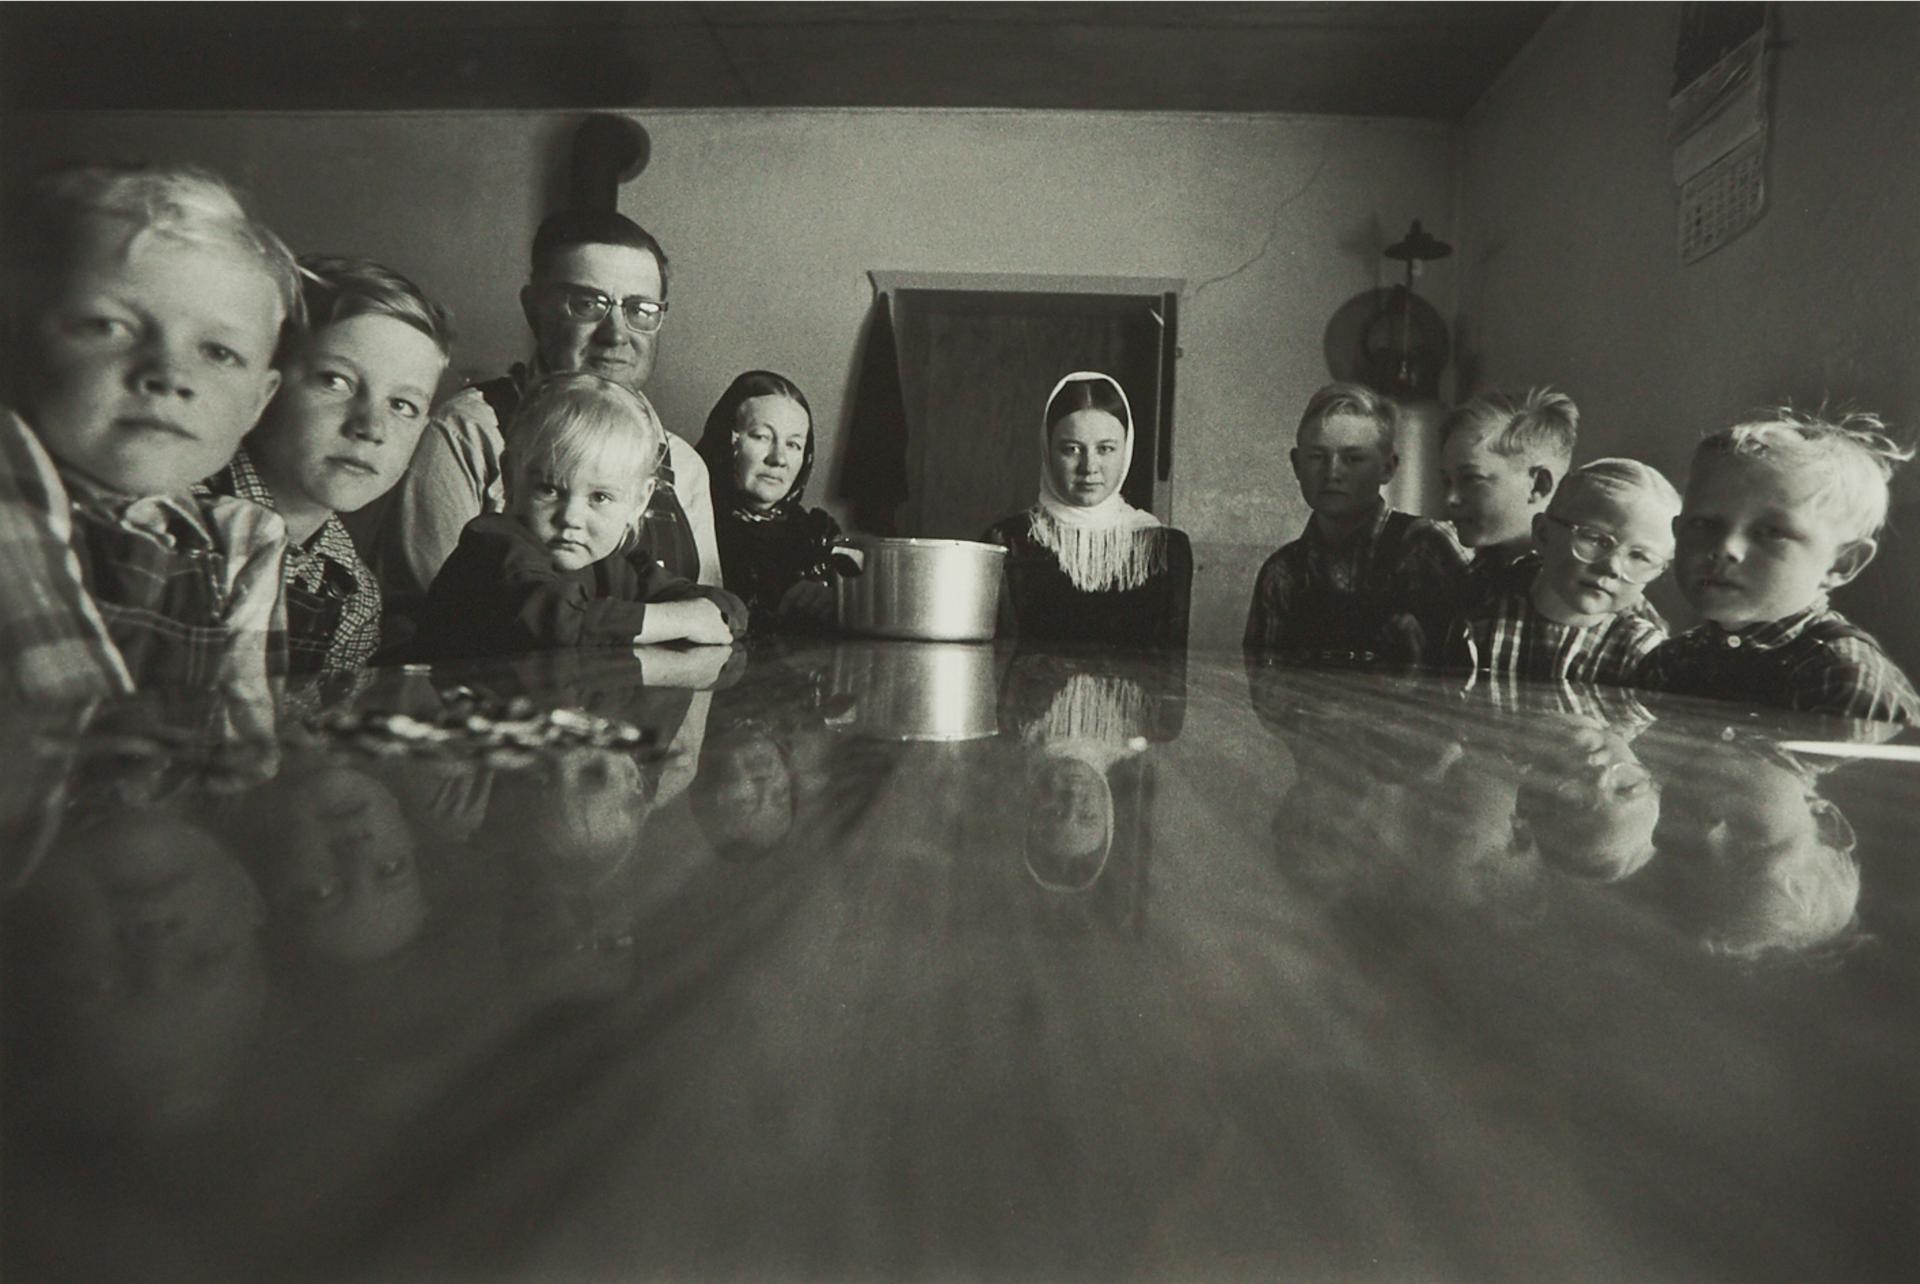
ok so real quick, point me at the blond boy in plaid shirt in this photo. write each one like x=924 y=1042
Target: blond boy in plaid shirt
x=144 y=316
x=1781 y=510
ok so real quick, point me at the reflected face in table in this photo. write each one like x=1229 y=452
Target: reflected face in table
x=1070 y=821
x=152 y=981
x=1752 y=859
x=572 y=814
x=1592 y=805
x=343 y=875
x=743 y=795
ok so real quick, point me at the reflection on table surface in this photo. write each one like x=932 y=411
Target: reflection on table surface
x=892 y=960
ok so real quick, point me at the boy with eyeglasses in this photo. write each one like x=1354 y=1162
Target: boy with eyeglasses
x=1606 y=535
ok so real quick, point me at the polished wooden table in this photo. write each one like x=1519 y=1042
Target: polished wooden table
x=870 y=960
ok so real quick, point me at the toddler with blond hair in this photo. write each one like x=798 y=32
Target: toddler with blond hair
x=563 y=566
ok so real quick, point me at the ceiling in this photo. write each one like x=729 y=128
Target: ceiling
x=1422 y=60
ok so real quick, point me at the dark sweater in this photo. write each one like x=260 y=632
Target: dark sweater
x=499 y=593
x=1044 y=606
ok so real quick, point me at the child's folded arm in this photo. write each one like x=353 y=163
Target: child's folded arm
x=684 y=623
x=550 y=608
x=503 y=574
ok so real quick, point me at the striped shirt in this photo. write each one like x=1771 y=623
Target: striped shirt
x=333 y=599
x=1509 y=638
x=1814 y=662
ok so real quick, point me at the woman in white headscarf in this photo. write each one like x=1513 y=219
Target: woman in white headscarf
x=1084 y=565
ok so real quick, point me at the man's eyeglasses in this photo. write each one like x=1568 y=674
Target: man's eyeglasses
x=582 y=303
x=1635 y=564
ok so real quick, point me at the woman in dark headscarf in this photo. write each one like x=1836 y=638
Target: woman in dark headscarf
x=774 y=552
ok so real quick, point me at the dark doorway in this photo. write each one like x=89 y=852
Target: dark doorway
x=975 y=370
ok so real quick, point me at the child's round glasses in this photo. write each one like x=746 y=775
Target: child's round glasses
x=1636 y=565
x=582 y=303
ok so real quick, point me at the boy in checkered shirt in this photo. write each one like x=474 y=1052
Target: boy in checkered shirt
x=339 y=435
x=1605 y=535
x=144 y=313
x=1779 y=511
x=1361 y=576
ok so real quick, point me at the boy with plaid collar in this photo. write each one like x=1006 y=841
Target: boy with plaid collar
x=144 y=314
x=1605 y=535
x=1780 y=511
x=1361 y=571
x=338 y=435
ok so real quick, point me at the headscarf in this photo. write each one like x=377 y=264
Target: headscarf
x=1099 y=547
x=716 y=445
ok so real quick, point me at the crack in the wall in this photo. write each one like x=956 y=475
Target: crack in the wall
x=1273 y=231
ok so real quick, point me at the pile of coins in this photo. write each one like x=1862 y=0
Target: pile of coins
x=470 y=724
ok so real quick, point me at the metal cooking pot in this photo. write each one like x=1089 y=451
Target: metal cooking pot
x=916 y=690
x=932 y=590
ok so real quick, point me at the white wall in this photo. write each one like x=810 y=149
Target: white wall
x=773 y=219
x=1570 y=272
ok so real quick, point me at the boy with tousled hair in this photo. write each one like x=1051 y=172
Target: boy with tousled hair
x=145 y=311
x=338 y=435
x=1501 y=457
x=1360 y=571
x=1779 y=511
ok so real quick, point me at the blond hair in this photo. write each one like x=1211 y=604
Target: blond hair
x=574 y=420
x=1618 y=478
x=1350 y=399
x=181 y=202
x=1853 y=455
x=1539 y=427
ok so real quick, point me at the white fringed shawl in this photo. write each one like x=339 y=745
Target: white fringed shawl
x=1110 y=546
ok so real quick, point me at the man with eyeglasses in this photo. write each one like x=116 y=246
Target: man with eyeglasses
x=1606 y=534
x=595 y=301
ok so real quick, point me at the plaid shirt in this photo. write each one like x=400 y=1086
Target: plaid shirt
x=1813 y=662
x=1509 y=638
x=53 y=640
x=103 y=594
x=1495 y=572
x=332 y=598
x=1317 y=595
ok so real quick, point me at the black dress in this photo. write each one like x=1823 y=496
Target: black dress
x=763 y=557
x=1041 y=604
